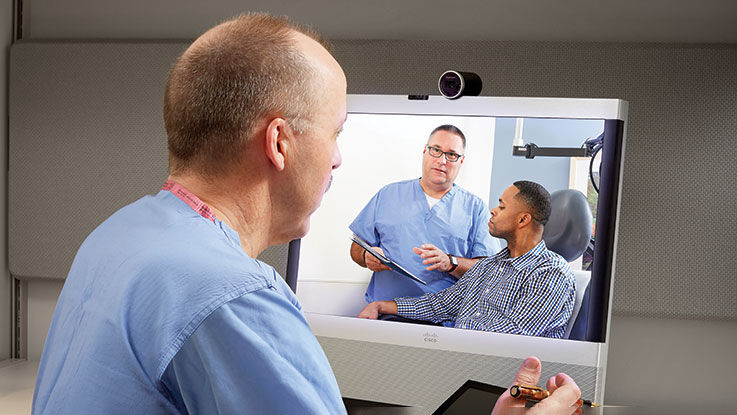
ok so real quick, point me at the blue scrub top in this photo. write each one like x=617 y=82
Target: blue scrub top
x=164 y=313
x=398 y=218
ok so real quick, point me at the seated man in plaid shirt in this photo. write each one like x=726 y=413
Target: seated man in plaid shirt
x=524 y=289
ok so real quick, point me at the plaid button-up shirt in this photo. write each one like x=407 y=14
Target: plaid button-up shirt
x=532 y=294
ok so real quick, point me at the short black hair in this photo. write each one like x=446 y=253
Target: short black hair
x=451 y=129
x=536 y=198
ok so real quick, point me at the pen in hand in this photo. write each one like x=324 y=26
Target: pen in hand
x=537 y=394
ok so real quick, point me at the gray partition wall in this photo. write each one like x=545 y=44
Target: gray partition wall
x=86 y=138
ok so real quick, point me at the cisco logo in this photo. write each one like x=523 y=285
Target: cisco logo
x=430 y=337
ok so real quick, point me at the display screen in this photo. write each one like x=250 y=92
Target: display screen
x=378 y=149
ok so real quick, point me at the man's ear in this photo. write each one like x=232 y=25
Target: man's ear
x=524 y=219
x=276 y=142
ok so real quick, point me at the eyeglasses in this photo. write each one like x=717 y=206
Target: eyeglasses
x=449 y=155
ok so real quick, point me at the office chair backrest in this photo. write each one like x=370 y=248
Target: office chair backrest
x=568 y=233
x=568 y=230
x=580 y=308
x=576 y=328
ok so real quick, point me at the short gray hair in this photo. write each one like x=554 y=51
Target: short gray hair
x=217 y=91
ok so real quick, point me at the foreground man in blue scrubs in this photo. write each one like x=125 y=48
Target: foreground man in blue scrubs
x=165 y=310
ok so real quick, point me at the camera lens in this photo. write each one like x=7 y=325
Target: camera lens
x=453 y=84
x=450 y=84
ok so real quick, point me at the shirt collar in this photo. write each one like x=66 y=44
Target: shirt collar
x=524 y=260
x=452 y=190
x=230 y=233
x=418 y=186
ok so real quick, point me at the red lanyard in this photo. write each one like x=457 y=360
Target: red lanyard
x=190 y=199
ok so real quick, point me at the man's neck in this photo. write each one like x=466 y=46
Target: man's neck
x=434 y=191
x=242 y=213
x=522 y=243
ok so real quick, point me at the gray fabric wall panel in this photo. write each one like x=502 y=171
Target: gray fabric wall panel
x=86 y=138
x=83 y=116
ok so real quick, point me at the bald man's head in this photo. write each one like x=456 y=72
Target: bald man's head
x=231 y=77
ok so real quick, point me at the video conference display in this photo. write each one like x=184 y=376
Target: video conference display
x=379 y=149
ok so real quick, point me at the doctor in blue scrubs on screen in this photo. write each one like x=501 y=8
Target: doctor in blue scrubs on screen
x=430 y=226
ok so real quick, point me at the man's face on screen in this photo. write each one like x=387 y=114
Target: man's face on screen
x=506 y=216
x=438 y=171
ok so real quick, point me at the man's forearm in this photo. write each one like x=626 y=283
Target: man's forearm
x=358 y=254
x=428 y=307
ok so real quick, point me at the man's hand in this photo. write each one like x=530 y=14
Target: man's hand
x=373 y=309
x=562 y=400
x=373 y=263
x=433 y=257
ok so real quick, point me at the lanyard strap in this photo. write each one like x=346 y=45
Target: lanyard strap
x=190 y=199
